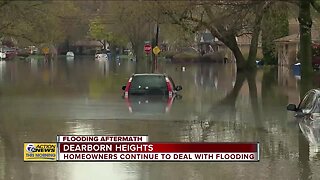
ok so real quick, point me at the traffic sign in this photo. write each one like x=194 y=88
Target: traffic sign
x=156 y=50
x=147 y=48
x=45 y=50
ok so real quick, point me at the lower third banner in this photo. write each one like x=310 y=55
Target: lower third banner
x=245 y=157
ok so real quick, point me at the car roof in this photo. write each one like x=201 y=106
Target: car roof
x=315 y=90
x=149 y=74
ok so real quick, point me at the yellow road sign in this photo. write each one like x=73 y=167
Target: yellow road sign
x=45 y=50
x=156 y=50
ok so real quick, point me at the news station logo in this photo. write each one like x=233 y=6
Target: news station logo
x=40 y=151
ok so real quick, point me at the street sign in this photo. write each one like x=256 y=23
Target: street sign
x=147 y=48
x=45 y=50
x=156 y=50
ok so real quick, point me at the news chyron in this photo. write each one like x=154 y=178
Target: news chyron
x=99 y=148
x=40 y=151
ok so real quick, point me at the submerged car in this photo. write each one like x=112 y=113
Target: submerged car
x=311 y=131
x=150 y=84
x=150 y=93
x=309 y=107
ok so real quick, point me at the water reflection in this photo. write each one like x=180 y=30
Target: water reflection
x=151 y=105
x=311 y=131
x=103 y=67
x=70 y=58
x=2 y=69
x=2 y=159
x=34 y=65
x=218 y=104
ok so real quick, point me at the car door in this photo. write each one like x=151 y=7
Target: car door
x=307 y=103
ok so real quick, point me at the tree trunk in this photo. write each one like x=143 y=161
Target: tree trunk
x=251 y=61
x=138 y=50
x=113 y=50
x=240 y=61
x=305 y=38
x=274 y=25
x=233 y=45
x=306 y=81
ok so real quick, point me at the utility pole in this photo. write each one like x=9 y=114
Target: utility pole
x=155 y=56
x=157 y=42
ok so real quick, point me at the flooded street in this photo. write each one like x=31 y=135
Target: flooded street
x=39 y=100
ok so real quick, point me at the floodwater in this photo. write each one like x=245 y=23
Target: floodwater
x=39 y=100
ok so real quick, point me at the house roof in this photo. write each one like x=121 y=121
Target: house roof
x=290 y=38
x=295 y=38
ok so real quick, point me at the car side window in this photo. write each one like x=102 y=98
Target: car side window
x=307 y=103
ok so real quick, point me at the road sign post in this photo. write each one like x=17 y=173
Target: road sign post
x=156 y=50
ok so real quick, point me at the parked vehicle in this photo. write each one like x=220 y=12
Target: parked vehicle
x=23 y=52
x=2 y=55
x=33 y=50
x=70 y=54
x=101 y=55
x=150 y=84
x=10 y=53
x=309 y=107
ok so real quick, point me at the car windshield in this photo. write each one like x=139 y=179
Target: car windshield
x=151 y=84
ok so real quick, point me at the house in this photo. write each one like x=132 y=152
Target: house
x=207 y=43
x=288 y=47
x=81 y=47
x=86 y=46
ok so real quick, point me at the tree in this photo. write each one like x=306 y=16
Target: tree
x=305 y=23
x=98 y=31
x=34 y=22
x=225 y=20
x=275 y=25
x=132 y=21
x=176 y=36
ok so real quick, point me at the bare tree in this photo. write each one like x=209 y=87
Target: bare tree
x=226 y=20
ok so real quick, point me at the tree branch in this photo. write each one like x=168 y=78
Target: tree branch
x=4 y=2
x=316 y=5
x=5 y=26
x=23 y=36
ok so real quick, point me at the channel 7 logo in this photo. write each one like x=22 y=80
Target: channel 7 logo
x=30 y=148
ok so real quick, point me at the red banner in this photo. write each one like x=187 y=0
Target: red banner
x=158 y=147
